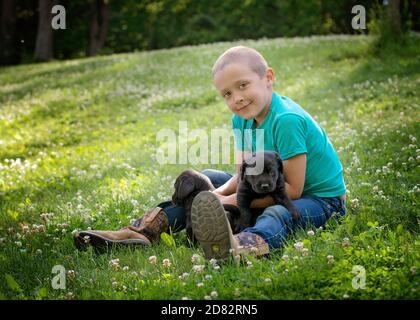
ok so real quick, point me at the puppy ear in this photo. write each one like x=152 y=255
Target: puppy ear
x=280 y=163
x=186 y=186
x=243 y=169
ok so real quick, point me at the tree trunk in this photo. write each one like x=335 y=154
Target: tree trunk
x=395 y=18
x=8 y=52
x=98 y=26
x=44 y=37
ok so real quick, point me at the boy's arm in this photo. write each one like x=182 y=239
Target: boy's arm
x=230 y=186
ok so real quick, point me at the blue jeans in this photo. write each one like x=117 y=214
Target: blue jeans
x=275 y=223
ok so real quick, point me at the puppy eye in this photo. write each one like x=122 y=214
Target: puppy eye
x=272 y=173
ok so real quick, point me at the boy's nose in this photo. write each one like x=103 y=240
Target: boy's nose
x=239 y=99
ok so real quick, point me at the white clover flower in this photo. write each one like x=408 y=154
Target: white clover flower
x=346 y=242
x=115 y=264
x=114 y=284
x=305 y=252
x=311 y=233
x=298 y=246
x=237 y=292
x=18 y=244
x=330 y=259
x=198 y=268
x=208 y=276
x=195 y=258
x=413 y=270
x=185 y=298
x=184 y=276
x=38 y=252
x=71 y=274
x=354 y=203
x=213 y=261
x=166 y=263
x=285 y=258
x=214 y=294
x=126 y=268
x=268 y=280
x=153 y=259
x=207 y=297
x=200 y=284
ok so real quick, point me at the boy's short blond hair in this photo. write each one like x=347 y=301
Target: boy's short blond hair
x=241 y=54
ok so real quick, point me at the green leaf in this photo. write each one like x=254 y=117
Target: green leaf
x=13 y=214
x=11 y=282
x=42 y=293
x=167 y=239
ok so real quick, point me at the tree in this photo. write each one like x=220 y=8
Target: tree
x=44 y=37
x=395 y=18
x=98 y=26
x=8 y=54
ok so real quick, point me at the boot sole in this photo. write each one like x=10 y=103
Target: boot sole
x=211 y=226
x=102 y=244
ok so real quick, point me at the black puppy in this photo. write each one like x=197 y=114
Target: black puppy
x=269 y=182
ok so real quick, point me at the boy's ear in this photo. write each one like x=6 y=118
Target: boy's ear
x=243 y=169
x=270 y=76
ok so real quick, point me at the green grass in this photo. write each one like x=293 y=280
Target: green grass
x=78 y=141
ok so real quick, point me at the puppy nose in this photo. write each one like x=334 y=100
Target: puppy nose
x=264 y=185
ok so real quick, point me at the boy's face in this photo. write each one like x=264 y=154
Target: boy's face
x=245 y=92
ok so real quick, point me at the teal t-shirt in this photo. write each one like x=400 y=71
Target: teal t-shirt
x=290 y=130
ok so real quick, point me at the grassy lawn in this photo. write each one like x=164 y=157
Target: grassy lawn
x=78 y=149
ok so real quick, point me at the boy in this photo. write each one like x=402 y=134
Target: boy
x=312 y=170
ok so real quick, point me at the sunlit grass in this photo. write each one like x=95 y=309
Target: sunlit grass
x=78 y=149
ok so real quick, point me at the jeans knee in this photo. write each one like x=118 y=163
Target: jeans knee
x=208 y=172
x=279 y=213
x=216 y=177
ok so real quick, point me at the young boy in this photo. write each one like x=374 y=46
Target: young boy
x=312 y=170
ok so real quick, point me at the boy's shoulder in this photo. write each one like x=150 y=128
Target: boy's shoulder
x=281 y=108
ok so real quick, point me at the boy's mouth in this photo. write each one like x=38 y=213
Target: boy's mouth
x=244 y=107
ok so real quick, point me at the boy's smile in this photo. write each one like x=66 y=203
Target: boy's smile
x=246 y=93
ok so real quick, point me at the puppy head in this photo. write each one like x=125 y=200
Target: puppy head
x=189 y=183
x=266 y=181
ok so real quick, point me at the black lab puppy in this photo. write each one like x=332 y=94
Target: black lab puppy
x=269 y=182
x=188 y=184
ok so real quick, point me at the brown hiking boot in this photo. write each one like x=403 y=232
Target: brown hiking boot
x=145 y=231
x=212 y=229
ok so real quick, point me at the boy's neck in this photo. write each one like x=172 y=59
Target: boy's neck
x=260 y=118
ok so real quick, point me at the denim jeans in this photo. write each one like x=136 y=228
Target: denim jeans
x=275 y=223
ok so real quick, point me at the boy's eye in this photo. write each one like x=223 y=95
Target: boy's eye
x=242 y=85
